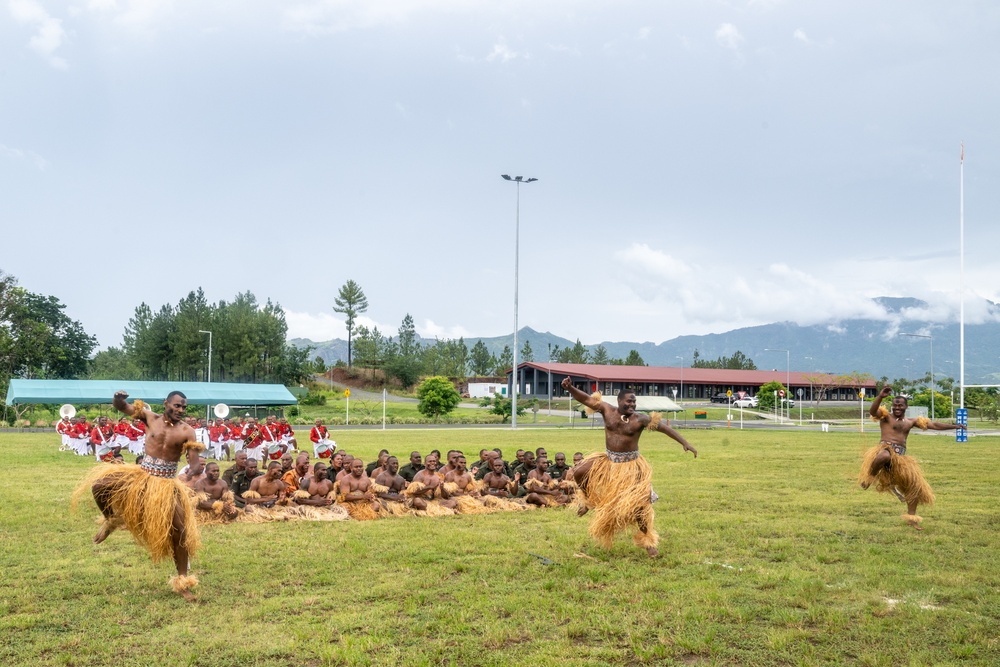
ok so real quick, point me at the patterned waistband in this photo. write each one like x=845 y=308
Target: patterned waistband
x=159 y=467
x=622 y=457
x=899 y=449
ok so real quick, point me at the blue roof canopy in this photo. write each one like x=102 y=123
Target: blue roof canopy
x=102 y=391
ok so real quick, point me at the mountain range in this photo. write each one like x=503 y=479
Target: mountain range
x=863 y=345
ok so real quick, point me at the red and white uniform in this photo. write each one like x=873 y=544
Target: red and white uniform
x=320 y=435
x=102 y=437
x=79 y=435
x=285 y=434
x=234 y=436
x=121 y=434
x=215 y=436
x=136 y=437
x=255 y=448
x=63 y=429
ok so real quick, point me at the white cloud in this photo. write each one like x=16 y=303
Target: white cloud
x=430 y=329
x=643 y=32
x=502 y=52
x=19 y=154
x=728 y=37
x=49 y=33
x=562 y=48
x=800 y=35
x=334 y=16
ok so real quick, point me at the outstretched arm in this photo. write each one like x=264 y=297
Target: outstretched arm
x=940 y=426
x=666 y=430
x=595 y=404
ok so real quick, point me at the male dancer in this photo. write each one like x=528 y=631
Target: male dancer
x=148 y=499
x=617 y=483
x=887 y=464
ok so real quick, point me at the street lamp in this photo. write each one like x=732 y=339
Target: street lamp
x=517 y=230
x=682 y=374
x=209 y=364
x=931 y=339
x=788 y=374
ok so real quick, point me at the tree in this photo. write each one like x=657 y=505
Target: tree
x=371 y=347
x=350 y=301
x=438 y=396
x=633 y=359
x=765 y=395
x=527 y=354
x=600 y=356
x=481 y=362
x=504 y=362
x=738 y=361
x=502 y=406
x=575 y=355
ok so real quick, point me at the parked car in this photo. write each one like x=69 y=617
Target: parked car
x=790 y=401
x=747 y=402
x=720 y=398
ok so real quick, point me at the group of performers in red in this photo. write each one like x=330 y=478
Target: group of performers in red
x=102 y=439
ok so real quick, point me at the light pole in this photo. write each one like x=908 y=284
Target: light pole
x=517 y=231
x=931 y=339
x=788 y=375
x=209 y=364
x=682 y=375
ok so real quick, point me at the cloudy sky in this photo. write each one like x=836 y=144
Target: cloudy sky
x=702 y=165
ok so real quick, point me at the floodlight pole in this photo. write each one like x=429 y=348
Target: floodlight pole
x=517 y=231
x=931 y=339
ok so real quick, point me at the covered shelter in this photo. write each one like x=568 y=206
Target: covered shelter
x=102 y=392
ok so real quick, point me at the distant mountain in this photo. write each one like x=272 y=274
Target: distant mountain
x=871 y=346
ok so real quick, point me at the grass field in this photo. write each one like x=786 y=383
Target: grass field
x=770 y=555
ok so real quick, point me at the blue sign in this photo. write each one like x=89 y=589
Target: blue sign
x=962 y=417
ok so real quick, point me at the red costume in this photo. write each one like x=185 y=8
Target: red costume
x=318 y=433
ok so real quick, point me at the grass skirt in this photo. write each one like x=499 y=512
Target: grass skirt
x=146 y=505
x=618 y=494
x=903 y=472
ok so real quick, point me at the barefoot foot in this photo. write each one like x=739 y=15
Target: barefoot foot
x=582 y=510
x=865 y=485
x=106 y=529
x=653 y=552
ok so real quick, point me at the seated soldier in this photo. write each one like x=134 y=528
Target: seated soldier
x=558 y=471
x=293 y=478
x=356 y=494
x=243 y=479
x=214 y=495
x=195 y=471
x=498 y=488
x=316 y=489
x=286 y=462
x=542 y=490
x=388 y=487
x=524 y=469
x=239 y=465
x=267 y=490
x=409 y=471
x=425 y=486
x=483 y=461
x=460 y=486
x=379 y=462
x=491 y=456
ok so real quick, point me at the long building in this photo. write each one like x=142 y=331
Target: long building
x=536 y=378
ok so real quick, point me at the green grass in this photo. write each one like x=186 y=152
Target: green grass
x=771 y=555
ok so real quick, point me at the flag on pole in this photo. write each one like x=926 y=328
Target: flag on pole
x=961 y=158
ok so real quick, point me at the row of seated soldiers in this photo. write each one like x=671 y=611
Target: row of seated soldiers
x=383 y=488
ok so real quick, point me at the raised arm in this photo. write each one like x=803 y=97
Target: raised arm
x=873 y=410
x=130 y=409
x=595 y=404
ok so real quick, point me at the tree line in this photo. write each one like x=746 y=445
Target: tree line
x=248 y=344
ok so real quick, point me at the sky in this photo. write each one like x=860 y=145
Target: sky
x=702 y=166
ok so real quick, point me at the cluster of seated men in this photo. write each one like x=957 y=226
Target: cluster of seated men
x=341 y=486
